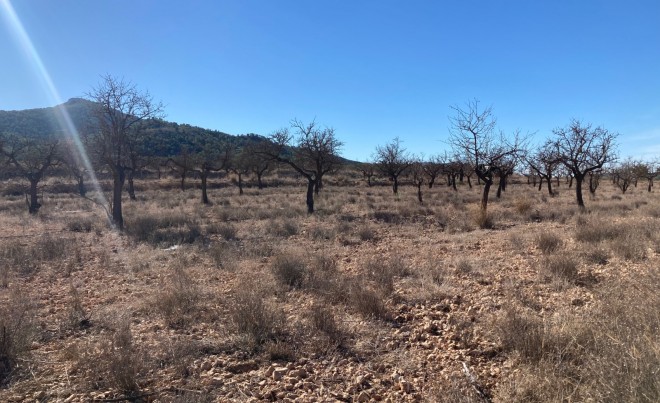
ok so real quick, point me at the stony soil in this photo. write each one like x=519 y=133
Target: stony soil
x=438 y=340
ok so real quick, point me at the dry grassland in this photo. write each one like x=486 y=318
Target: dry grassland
x=372 y=298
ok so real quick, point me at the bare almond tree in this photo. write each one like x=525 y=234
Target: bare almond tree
x=418 y=176
x=472 y=136
x=120 y=109
x=392 y=160
x=312 y=152
x=433 y=168
x=583 y=149
x=31 y=158
x=544 y=163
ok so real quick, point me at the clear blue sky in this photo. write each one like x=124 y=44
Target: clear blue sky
x=373 y=70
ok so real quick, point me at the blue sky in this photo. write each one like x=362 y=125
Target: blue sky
x=373 y=70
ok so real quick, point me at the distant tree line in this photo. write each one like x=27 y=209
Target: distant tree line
x=123 y=133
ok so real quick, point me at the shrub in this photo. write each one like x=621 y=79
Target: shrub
x=383 y=272
x=320 y=233
x=389 y=217
x=163 y=230
x=593 y=231
x=225 y=255
x=366 y=233
x=282 y=228
x=548 y=242
x=464 y=266
x=178 y=299
x=226 y=231
x=482 y=219
x=80 y=224
x=323 y=320
x=290 y=269
x=16 y=332
x=523 y=205
x=256 y=321
x=562 y=266
x=597 y=256
x=368 y=302
x=119 y=361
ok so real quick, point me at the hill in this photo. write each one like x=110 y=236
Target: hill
x=42 y=122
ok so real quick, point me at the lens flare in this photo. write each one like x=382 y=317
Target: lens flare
x=62 y=115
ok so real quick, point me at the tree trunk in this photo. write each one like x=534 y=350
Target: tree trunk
x=419 y=193
x=240 y=183
x=131 y=188
x=578 y=189
x=469 y=182
x=318 y=184
x=540 y=183
x=183 y=181
x=501 y=185
x=550 y=186
x=453 y=182
x=395 y=186
x=311 y=184
x=431 y=182
x=593 y=184
x=82 y=191
x=260 y=183
x=557 y=180
x=650 y=185
x=484 y=196
x=570 y=182
x=33 y=206
x=118 y=178
x=205 y=198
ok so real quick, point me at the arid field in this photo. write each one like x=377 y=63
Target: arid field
x=374 y=297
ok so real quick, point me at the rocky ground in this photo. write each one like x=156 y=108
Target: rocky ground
x=372 y=298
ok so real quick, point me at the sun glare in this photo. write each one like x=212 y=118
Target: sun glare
x=63 y=118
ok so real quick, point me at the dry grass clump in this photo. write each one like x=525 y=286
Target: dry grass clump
x=610 y=354
x=596 y=230
x=523 y=205
x=383 y=271
x=225 y=255
x=16 y=332
x=80 y=224
x=548 y=242
x=164 y=229
x=324 y=321
x=227 y=231
x=290 y=269
x=321 y=233
x=256 y=319
x=482 y=219
x=629 y=240
x=115 y=361
x=26 y=258
x=597 y=256
x=388 y=217
x=561 y=266
x=366 y=233
x=464 y=266
x=283 y=228
x=368 y=302
x=178 y=299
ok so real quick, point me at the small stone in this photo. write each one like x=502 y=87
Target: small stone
x=242 y=367
x=298 y=373
x=278 y=373
x=363 y=397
